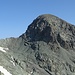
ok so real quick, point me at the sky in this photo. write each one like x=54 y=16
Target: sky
x=16 y=15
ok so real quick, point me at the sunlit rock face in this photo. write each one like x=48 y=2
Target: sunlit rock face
x=46 y=48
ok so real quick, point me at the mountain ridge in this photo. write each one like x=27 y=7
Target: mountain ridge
x=46 y=48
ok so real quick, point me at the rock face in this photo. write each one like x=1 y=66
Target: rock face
x=46 y=48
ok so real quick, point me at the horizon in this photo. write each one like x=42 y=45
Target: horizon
x=15 y=16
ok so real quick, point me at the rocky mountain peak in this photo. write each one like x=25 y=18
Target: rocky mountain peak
x=42 y=26
x=51 y=29
x=46 y=48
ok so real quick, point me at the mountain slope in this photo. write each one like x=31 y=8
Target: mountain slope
x=46 y=48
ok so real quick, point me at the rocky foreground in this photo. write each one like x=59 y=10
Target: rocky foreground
x=46 y=48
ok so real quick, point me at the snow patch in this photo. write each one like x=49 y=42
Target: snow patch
x=3 y=49
x=12 y=62
x=4 y=71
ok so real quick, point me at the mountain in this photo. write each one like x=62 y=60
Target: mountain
x=46 y=48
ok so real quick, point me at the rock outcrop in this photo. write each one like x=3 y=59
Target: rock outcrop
x=46 y=48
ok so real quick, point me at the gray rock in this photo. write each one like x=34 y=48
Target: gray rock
x=46 y=48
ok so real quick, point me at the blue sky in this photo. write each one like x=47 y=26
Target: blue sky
x=16 y=15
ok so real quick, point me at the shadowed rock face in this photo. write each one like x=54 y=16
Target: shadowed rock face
x=46 y=48
x=49 y=28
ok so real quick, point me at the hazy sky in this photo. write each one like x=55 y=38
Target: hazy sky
x=16 y=15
